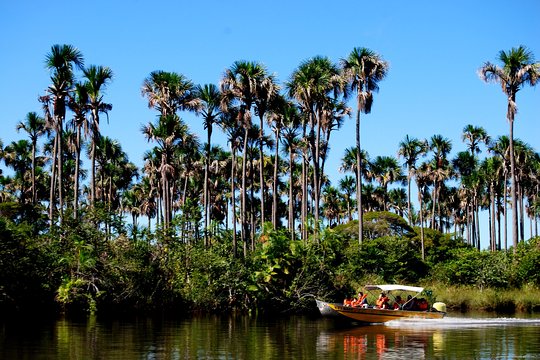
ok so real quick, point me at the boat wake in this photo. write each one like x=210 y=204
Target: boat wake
x=458 y=322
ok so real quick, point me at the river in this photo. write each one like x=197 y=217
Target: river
x=243 y=337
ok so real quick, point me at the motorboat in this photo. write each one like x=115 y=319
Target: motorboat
x=404 y=302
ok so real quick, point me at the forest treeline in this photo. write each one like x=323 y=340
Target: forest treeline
x=259 y=223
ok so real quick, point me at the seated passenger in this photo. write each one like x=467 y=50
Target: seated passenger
x=422 y=304
x=348 y=301
x=361 y=301
x=398 y=304
x=410 y=304
x=382 y=301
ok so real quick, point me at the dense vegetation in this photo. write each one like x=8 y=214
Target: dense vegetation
x=259 y=226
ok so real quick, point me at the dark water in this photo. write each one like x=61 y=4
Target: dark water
x=242 y=337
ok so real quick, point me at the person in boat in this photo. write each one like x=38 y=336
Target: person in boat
x=398 y=304
x=410 y=304
x=348 y=301
x=382 y=302
x=422 y=304
x=361 y=301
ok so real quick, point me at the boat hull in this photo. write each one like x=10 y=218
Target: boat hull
x=372 y=315
x=326 y=310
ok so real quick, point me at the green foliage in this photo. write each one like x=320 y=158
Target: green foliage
x=468 y=266
x=389 y=259
x=27 y=271
x=377 y=224
x=527 y=262
x=94 y=266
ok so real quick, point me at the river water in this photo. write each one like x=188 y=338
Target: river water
x=243 y=337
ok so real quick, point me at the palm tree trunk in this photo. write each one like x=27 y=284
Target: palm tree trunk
x=275 y=182
x=359 y=180
x=521 y=212
x=205 y=186
x=492 y=200
x=303 y=223
x=433 y=204
x=261 y=168
x=409 y=215
x=34 y=172
x=291 y=199
x=77 y=171
x=60 y=175
x=505 y=213
x=421 y=222
x=243 y=195
x=252 y=205
x=233 y=200
x=53 y=182
x=477 y=224
x=513 y=189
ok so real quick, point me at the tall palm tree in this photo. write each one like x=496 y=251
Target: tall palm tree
x=97 y=78
x=168 y=93
x=313 y=84
x=166 y=133
x=518 y=69
x=79 y=106
x=266 y=91
x=411 y=149
x=348 y=186
x=282 y=112
x=17 y=155
x=385 y=170
x=292 y=144
x=60 y=62
x=473 y=136
x=363 y=69
x=440 y=171
x=229 y=124
x=210 y=98
x=34 y=126
x=239 y=88
x=501 y=149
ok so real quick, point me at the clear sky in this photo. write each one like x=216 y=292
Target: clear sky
x=434 y=49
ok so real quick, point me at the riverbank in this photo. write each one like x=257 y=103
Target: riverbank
x=464 y=299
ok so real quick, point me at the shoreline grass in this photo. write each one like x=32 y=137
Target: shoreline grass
x=463 y=298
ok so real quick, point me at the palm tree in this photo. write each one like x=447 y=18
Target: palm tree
x=292 y=145
x=60 y=62
x=17 y=156
x=239 y=87
x=518 y=69
x=229 y=124
x=411 y=149
x=440 y=171
x=34 y=126
x=210 y=98
x=168 y=92
x=348 y=186
x=166 y=133
x=363 y=69
x=491 y=170
x=79 y=105
x=266 y=92
x=314 y=84
x=385 y=170
x=281 y=114
x=501 y=149
x=465 y=165
x=97 y=77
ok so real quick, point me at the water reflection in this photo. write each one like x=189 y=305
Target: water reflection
x=242 y=337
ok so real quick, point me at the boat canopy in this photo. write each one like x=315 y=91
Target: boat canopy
x=394 y=288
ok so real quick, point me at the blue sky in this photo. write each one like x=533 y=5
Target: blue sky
x=434 y=49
